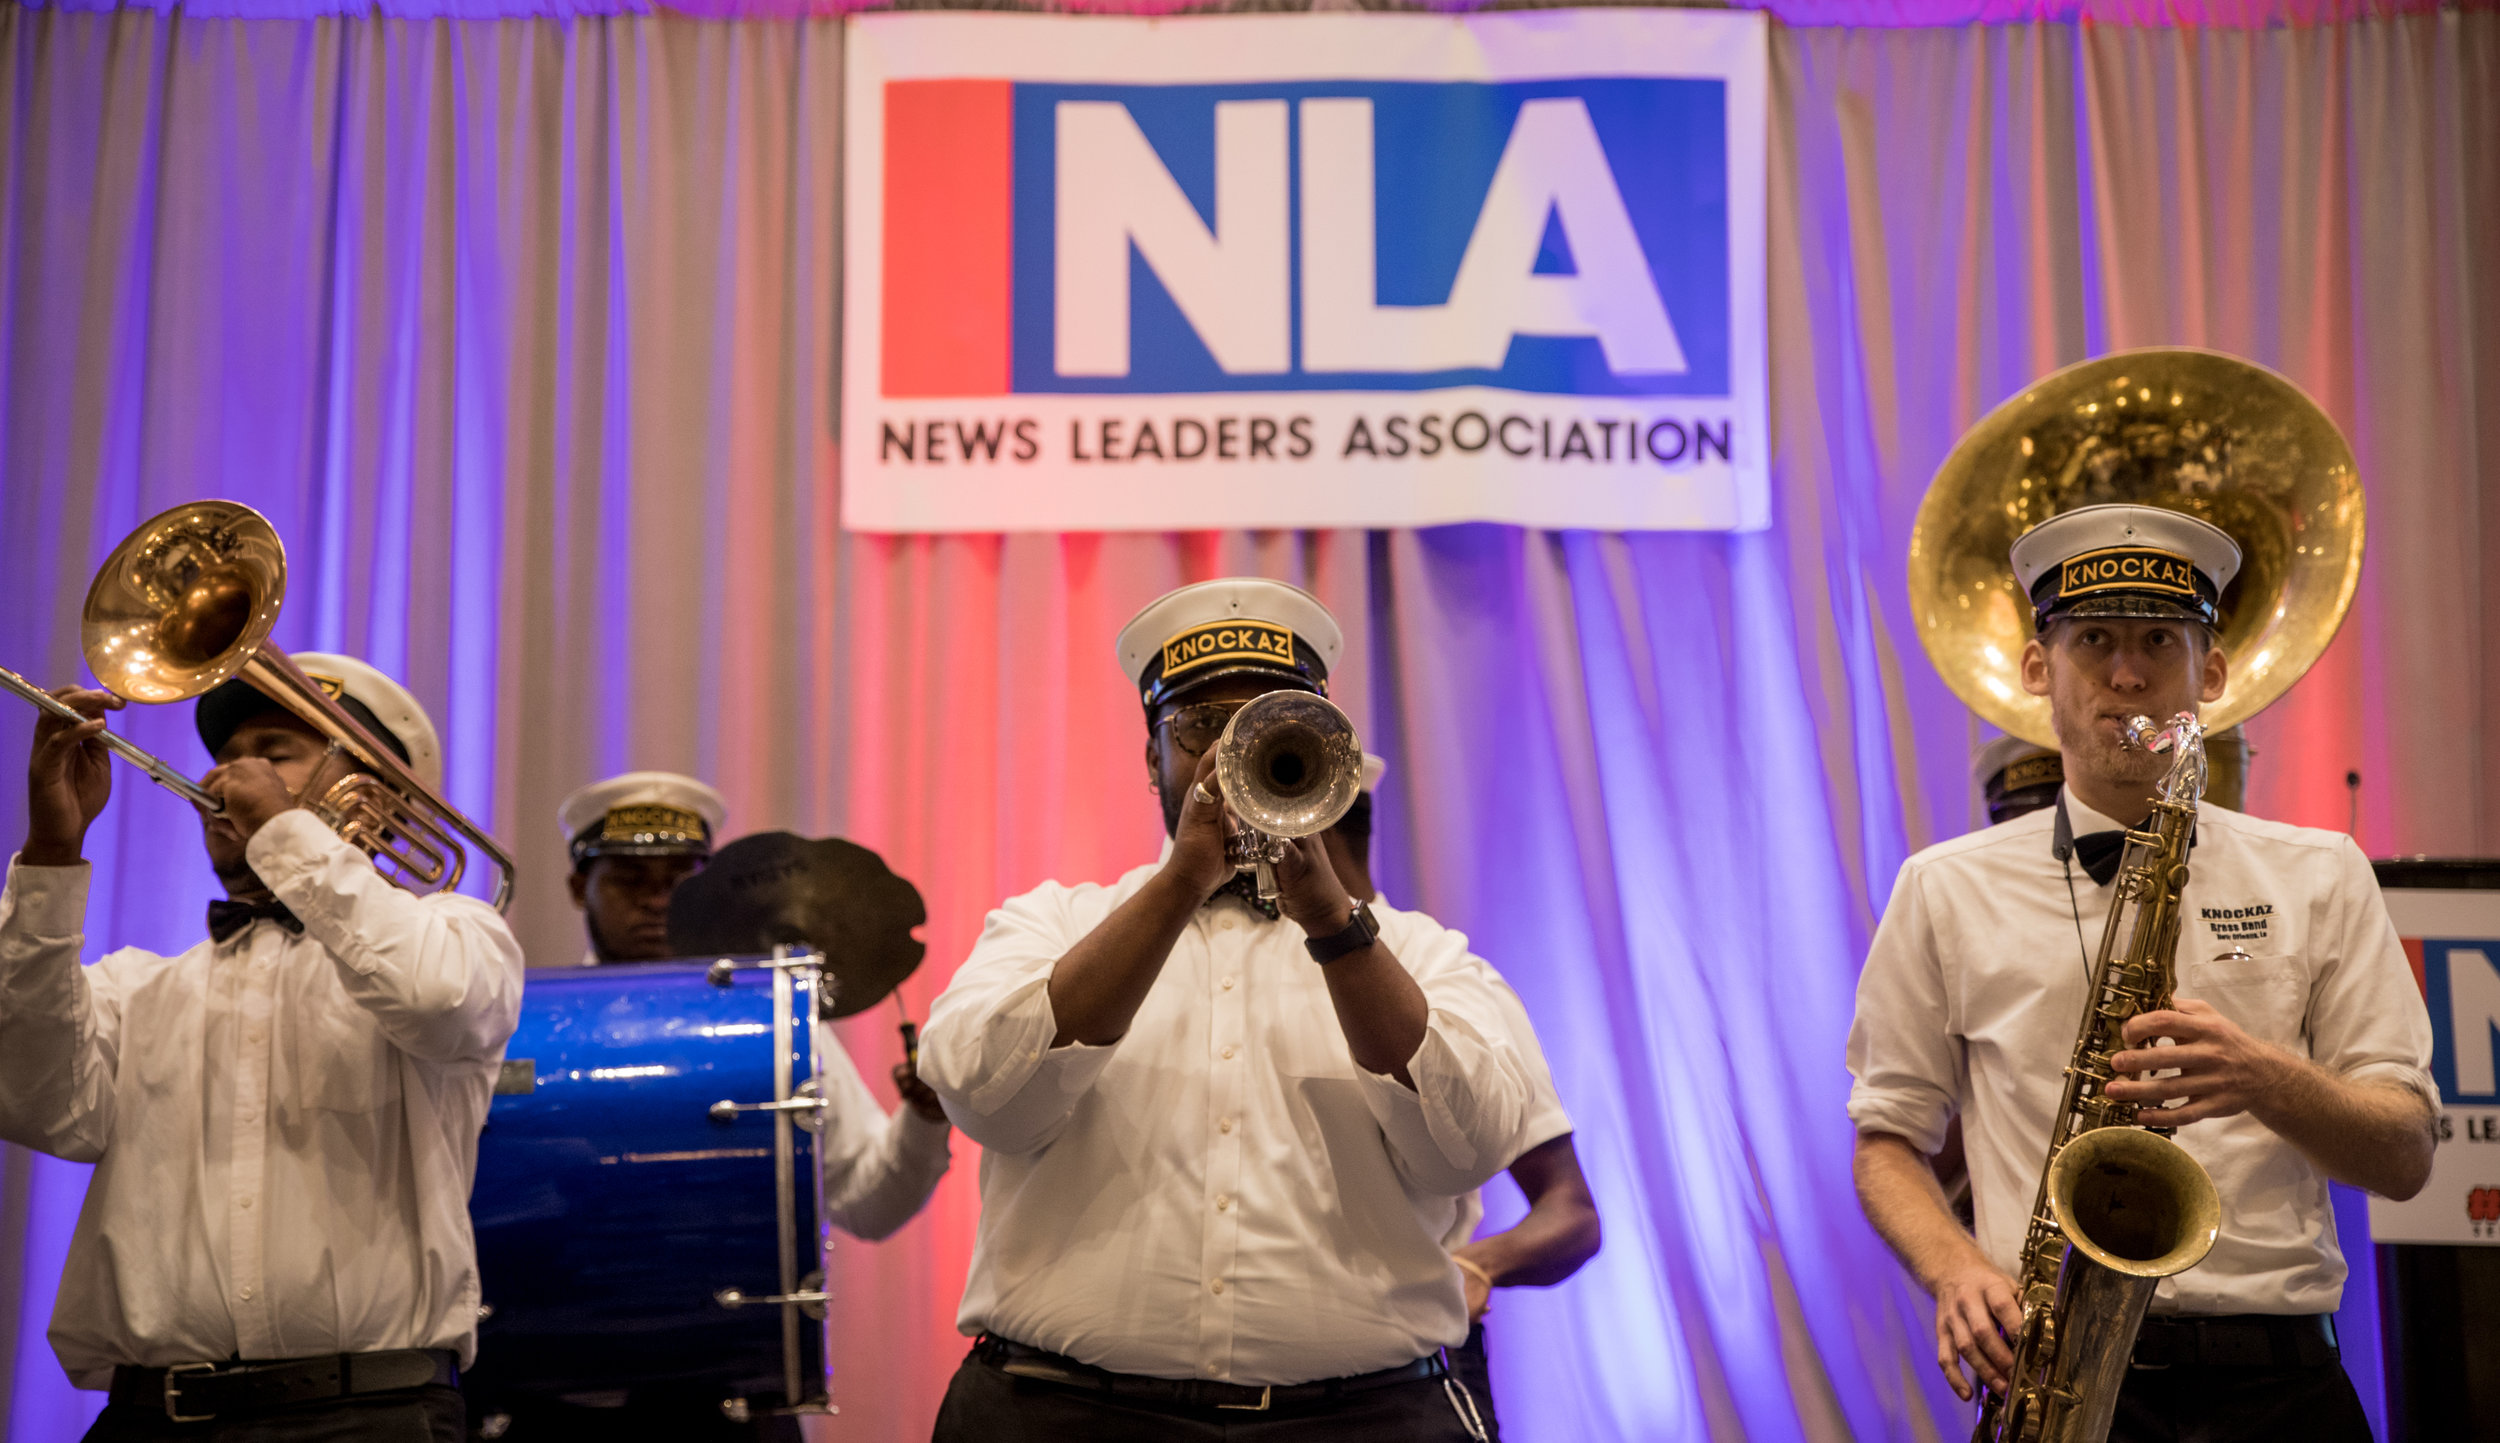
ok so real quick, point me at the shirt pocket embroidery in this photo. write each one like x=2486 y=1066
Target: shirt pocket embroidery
x=2267 y=996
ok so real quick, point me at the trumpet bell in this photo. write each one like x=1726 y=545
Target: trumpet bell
x=184 y=602
x=2219 y=438
x=1289 y=764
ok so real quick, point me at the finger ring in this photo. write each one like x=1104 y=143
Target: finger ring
x=1199 y=791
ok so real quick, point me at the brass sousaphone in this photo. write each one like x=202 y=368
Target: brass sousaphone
x=2222 y=439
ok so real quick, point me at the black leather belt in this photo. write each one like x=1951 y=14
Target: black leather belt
x=196 y=1392
x=1020 y=1361
x=2240 y=1340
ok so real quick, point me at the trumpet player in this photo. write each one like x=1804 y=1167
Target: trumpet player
x=283 y=1118
x=2296 y=1050
x=1224 y=1139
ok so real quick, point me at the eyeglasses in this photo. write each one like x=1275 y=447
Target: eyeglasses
x=1195 y=728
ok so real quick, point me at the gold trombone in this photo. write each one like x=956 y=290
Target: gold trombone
x=184 y=604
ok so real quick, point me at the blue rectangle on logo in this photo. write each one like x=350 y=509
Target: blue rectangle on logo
x=1436 y=150
x=2461 y=986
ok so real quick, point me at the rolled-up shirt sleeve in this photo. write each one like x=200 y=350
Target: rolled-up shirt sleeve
x=440 y=974
x=1454 y=1130
x=879 y=1167
x=59 y=1028
x=1903 y=1058
x=2367 y=1021
x=986 y=1051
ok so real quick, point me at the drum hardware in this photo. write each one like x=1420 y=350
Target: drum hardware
x=811 y=1291
x=184 y=604
x=1289 y=766
x=806 y=1102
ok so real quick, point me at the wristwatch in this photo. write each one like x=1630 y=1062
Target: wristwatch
x=1360 y=931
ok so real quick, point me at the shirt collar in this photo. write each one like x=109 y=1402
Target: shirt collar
x=2082 y=818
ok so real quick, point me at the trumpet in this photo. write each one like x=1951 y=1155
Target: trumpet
x=185 y=603
x=1290 y=766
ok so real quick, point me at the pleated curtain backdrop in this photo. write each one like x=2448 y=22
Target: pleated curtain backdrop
x=522 y=331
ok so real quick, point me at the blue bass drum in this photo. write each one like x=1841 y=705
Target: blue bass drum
x=647 y=1200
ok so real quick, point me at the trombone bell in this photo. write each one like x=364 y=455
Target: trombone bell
x=186 y=603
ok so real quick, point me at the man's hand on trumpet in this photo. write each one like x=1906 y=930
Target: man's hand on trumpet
x=69 y=778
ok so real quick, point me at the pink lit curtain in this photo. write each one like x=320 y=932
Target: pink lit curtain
x=522 y=330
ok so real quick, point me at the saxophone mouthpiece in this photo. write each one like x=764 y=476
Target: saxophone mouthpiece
x=2141 y=735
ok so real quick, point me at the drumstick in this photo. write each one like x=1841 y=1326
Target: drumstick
x=911 y=1033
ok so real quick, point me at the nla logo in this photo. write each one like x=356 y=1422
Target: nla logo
x=1557 y=236
x=1301 y=270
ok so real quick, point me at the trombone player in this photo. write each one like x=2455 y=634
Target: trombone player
x=1224 y=1135
x=283 y=1118
x=2297 y=1046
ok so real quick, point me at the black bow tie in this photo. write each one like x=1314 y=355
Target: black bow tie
x=2099 y=853
x=1245 y=885
x=227 y=918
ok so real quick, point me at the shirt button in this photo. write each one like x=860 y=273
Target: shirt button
x=247 y=1294
x=1227 y=1054
x=1225 y=1126
x=1216 y=1287
x=252 y=1037
x=1212 y=1370
x=243 y=1202
x=1223 y=1202
x=1228 y=984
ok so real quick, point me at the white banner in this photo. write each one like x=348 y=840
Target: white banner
x=1304 y=270
x=2453 y=941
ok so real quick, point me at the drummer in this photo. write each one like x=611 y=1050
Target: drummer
x=634 y=838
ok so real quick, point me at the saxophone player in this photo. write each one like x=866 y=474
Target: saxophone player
x=2298 y=1046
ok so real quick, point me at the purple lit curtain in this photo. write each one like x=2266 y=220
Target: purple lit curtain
x=522 y=332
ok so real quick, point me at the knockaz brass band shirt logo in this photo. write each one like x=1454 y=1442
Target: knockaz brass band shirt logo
x=1227 y=641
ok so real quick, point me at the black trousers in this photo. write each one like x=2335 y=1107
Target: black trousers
x=1469 y=1365
x=431 y=1414
x=2203 y=1404
x=985 y=1405
x=662 y=1418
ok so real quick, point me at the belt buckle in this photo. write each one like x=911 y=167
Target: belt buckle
x=173 y=1392
x=1267 y=1399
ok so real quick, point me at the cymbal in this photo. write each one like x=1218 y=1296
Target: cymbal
x=777 y=888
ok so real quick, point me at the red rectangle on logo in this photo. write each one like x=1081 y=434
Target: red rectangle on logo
x=949 y=203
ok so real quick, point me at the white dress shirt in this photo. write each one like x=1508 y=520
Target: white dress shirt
x=284 y=1126
x=1974 y=991
x=1546 y=1119
x=1221 y=1193
x=879 y=1169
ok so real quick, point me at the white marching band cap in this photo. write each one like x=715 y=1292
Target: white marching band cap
x=1186 y=638
x=381 y=704
x=642 y=814
x=2131 y=561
